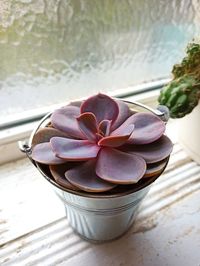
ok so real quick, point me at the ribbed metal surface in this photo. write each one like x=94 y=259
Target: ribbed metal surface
x=104 y=221
x=167 y=202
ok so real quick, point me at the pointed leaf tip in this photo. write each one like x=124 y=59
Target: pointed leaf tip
x=88 y=125
x=115 y=140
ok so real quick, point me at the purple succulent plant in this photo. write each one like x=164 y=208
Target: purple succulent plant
x=100 y=143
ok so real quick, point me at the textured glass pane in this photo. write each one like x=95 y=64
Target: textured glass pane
x=54 y=50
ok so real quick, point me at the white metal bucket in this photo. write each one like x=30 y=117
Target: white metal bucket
x=99 y=217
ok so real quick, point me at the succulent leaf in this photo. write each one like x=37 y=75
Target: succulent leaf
x=102 y=106
x=124 y=113
x=119 y=167
x=154 y=169
x=85 y=178
x=74 y=150
x=58 y=172
x=153 y=152
x=43 y=153
x=88 y=125
x=64 y=119
x=45 y=134
x=115 y=140
x=148 y=128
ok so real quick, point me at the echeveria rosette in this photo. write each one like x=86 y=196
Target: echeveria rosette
x=100 y=144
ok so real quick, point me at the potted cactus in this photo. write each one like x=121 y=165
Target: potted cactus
x=101 y=155
x=182 y=96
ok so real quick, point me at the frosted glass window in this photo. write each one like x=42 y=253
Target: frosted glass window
x=55 y=50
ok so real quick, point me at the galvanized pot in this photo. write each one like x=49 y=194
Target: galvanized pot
x=99 y=217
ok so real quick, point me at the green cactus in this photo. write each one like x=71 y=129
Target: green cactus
x=182 y=94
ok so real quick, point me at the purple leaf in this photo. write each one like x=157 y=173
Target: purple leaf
x=74 y=150
x=104 y=127
x=64 y=119
x=155 y=169
x=43 y=153
x=85 y=178
x=45 y=134
x=116 y=141
x=88 y=125
x=58 y=172
x=126 y=130
x=153 y=152
x=148 y=128
x=124 y=113
x=102 y=106
x=118 y=167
